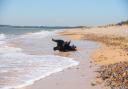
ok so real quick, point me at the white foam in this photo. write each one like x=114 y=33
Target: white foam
x=2 y=39
x=2 y=36
x=5 y=49
x=25 y=68
x=37 y=67
x=40 y=34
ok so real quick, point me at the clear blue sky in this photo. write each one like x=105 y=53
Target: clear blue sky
x=62 y=12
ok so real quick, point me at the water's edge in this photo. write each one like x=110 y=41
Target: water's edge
x=14 y=58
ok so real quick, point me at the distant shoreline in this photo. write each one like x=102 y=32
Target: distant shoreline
x=46 y=27
x=65 y=27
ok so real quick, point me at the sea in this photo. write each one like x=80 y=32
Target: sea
x=18 y=68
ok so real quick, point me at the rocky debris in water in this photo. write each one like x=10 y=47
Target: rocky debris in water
x=115 y=75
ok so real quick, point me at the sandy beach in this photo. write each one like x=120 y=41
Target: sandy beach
x=63 y=44
x=97 y=46
x=113 y=41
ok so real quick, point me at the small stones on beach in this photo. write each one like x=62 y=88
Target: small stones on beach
x=90 y=66
x=77 y=68
x=115 y=75
x=82 y=75
x=91 y=62
x=96 y=82
x=57 y=83
x=93 y=83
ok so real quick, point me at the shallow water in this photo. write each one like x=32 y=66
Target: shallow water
x=19 y=68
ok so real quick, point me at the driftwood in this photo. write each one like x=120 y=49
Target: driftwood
x=64 y=46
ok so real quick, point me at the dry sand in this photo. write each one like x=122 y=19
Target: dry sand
x=113 y=39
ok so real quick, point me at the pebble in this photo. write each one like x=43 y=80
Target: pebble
x=115 y=75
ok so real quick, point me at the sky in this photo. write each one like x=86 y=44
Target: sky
x=62 y=12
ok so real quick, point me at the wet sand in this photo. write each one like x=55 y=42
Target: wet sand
x=78 y=77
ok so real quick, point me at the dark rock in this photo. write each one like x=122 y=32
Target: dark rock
x=64 y=46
